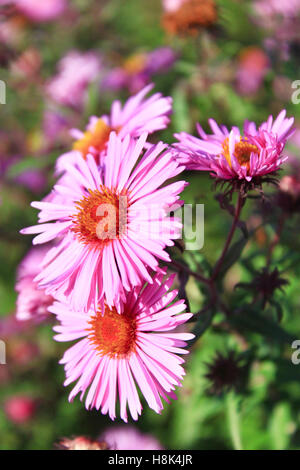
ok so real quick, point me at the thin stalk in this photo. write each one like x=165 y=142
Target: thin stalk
x=233 y=420
x=229 y=237
x=182 y=267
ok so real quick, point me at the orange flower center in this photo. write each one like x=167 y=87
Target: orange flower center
x=96 y=138
x=101 y=217
x=242 y=151
x=113 y=334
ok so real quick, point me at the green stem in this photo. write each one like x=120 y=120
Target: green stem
x=233 y=420
x=235 y=222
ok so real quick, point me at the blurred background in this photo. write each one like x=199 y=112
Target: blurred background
x=226 y=59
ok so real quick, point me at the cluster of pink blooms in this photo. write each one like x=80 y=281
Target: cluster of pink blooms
x=106 y=225
x=111 y=295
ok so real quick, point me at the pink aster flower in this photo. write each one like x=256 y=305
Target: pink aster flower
x=112 y=223
x=230 y=154
x=138 y=115
x=129 y=438
x=75 y=73
x=32 y=302
x=116 y=353
x=37 y=10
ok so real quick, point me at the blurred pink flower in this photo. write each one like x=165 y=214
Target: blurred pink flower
x=41 y=10
x=287 y=198
x=138 y=70
x=33 y=179
x=75 y=73
x=11 y=31
x=96 y=261
x=19 y=409
x=12 y=152
x=129 y=438
x=54 y=125
x=116 y=352
x=230 y=154
x=277 y=7
x=56 y=129
x=293 y=152
x=10 y=326
x=295 y=139
x=290 y=184
x=22 y=352
x=252 y=67
x=160 y=60
x=32 y=302
x=281 y=87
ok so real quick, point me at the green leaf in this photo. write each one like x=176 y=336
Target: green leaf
x=93 y=99
x=202 y=324
x=279 y=426
x=286 y=371
x=234 y=17
x=248 y=319
x=233 y=255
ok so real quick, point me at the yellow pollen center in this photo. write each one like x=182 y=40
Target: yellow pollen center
x=113 y=334
x=101 y=217
x=242 y=151
x=97 y=138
